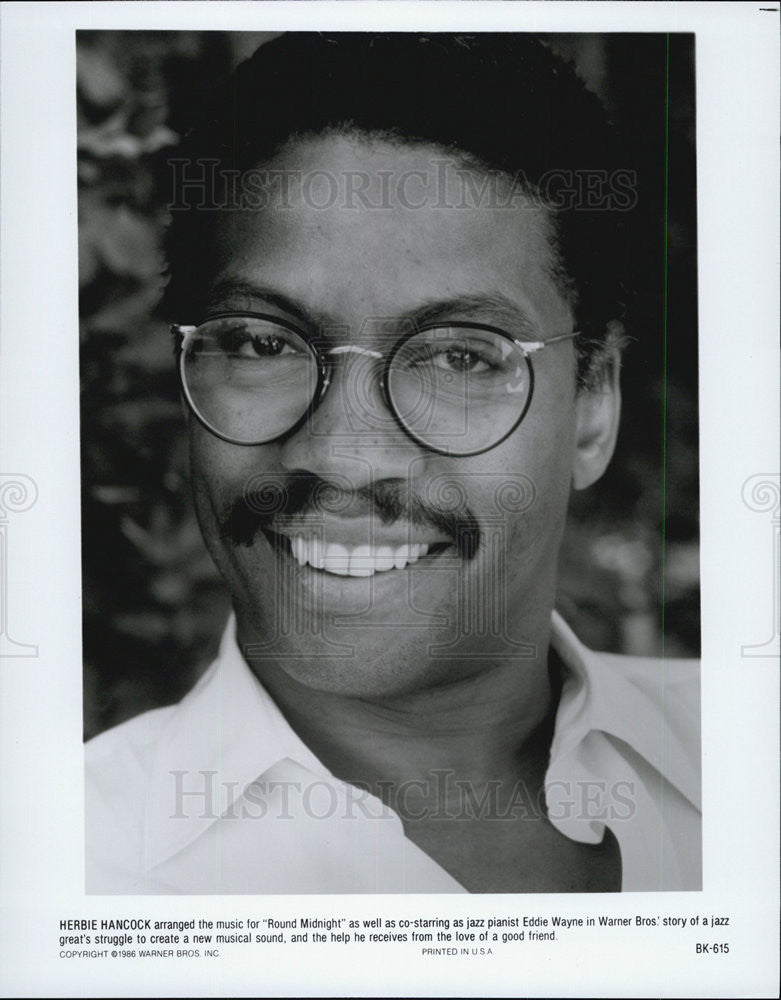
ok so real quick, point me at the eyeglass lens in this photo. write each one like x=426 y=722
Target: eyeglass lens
x=457 y=390
x=248 y=379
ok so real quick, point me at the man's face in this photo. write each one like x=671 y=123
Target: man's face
x=357 y=273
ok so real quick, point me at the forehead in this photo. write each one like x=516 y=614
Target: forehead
x=351 y=227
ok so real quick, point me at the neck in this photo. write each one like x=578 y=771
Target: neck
x=484 y=727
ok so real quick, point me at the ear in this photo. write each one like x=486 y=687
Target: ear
x=597 y=413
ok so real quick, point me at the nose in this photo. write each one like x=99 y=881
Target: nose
x=352 y=433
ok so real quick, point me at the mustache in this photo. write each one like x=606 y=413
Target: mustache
x=268 y=499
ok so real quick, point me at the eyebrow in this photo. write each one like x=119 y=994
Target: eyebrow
x=236 y=289
x=488 y=307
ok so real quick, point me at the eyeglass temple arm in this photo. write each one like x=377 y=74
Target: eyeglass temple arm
x=529 y=347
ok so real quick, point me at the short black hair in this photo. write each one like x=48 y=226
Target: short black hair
x=503 y=101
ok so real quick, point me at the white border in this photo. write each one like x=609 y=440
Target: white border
x=40 y=699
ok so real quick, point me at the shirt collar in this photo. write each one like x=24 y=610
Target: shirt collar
x=634 y=699
x=223 y=735
x=228 y=732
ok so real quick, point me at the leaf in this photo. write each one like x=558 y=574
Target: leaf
x=98 y=79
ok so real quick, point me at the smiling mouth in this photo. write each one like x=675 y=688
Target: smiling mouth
x=352 y=560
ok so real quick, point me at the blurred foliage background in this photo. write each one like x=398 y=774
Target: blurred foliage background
x=154 y=605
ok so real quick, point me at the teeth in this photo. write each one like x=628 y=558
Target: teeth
x=337 y=559
x=384 y=558
x=358 y=560
x=402 y=556
x=314 y=552
x=361 y=562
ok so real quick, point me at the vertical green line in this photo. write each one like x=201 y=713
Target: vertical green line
x=664 y=322
x=662 y=874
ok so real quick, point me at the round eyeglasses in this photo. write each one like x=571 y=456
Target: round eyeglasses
x=456 y=388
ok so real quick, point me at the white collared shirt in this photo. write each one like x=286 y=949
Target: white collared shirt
x=217 y=794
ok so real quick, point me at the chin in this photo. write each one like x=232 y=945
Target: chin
x=369 y=662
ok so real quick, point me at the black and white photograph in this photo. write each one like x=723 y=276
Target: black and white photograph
x=401 y=271
x=389 y=499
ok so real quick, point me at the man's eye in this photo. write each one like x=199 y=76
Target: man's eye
x=461 y=360
x=250 y=343
x=264 y=346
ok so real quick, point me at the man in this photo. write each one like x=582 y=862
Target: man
x=397 y=332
